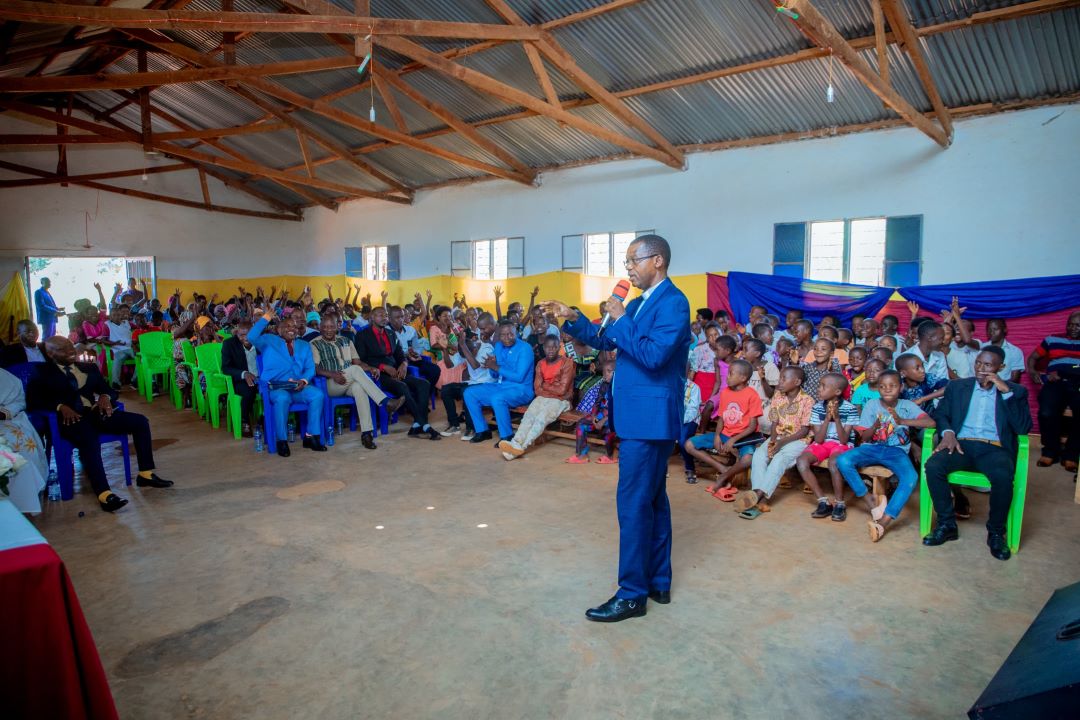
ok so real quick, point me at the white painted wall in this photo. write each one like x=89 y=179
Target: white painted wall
x=998 y=204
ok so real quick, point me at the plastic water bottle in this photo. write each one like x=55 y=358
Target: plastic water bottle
x=292 y=431
x=53 y=488
x=258 y=440
x=339 y=425
x=329 y=435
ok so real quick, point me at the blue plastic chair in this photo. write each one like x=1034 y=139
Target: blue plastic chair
x=268 y=409
x=330 y=404
x=48 y=426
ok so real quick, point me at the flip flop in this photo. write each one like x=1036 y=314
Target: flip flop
x=746 y=500
x=806 y=490
x=750 y=513
x=877 y=530
x=726 y=494
x=605 y=460
x=879 y=512
x=577 y=460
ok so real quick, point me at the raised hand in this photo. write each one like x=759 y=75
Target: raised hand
x=498 y=291
x=558 y=309
x=384 y=294
x=418 y=297
x=429 y=297
x=535 y=292
x=913 y=308
x=97 y=286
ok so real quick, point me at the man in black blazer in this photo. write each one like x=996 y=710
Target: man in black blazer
x=27 y=349
x=83 y=402
x=381 y=354
x=238 y=362
x=979 y=420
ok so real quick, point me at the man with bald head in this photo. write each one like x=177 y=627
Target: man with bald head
x=27 y=349
x=85 y=407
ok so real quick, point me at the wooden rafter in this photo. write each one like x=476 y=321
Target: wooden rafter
x=304 y=153
x=205 y=188
x=391 y=104
x=249 y=129
x=824 y=34
x=147 y=195
x=157 y=169
x=145 y=119
x=881 y=40
x=543 y=77
x=900 y=24
x=124 y=18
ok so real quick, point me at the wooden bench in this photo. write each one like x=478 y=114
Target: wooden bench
x=568 y=419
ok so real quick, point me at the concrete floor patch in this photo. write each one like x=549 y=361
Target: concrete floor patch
x=315 y=487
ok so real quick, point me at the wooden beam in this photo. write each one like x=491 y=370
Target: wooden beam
x=898 y=21
x=60 y=139
x=145 y=120
x=49 y=14
x=205 y=189
x=150 y=196
x=541 y=73
x=211 y=133
x=391 y=104
x=823 y=33
x=881 y=42
x=228 y=39
x=7 y=34
x=143 y=79
x=304 y=153
x=492 y=86
x=1006 y=13
x=96 y=176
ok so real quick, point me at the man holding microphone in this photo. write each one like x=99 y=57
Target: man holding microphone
x=650 y=336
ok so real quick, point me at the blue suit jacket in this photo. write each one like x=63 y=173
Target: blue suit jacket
x=45 y=306
x=277 y=363
x=515 y=364
x=650 y=366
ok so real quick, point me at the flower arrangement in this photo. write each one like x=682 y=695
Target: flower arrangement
x=10 y=462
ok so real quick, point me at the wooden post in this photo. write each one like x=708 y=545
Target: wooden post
x=304 y=152
x=900 y=24
x=228 y=41
x=205 y=189
x=144 y=106
x=881 y=42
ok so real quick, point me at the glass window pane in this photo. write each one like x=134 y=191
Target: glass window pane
x=371 y=263
x=499 y=259
x=867 y=263
x=482 y=260
x=827 y=251
x=382 y=262
x=598 y=254
x=619 y=243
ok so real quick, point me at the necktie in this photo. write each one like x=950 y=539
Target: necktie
x=72 y=380
x=289 y=344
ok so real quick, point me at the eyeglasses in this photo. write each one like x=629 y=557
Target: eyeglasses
x=628 y=264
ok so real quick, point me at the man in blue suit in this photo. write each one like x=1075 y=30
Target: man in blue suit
x=650 y=336
x=512 y=366
x=45 y=309
x=288 y=368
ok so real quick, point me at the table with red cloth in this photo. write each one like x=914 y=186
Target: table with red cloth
x=49 y=666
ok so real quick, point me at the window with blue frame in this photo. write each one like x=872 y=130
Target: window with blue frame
x=882 y=251
x=373 y=262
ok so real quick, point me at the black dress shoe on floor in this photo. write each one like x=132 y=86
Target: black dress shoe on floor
x=998 y=547
x=941 y=535
x=313 y=443
x=434 y=434
x=283 y=448
x=481 y=437
x=368 y=441
x=153 y=481
x=660 y=596
x=113 y=502
x=616 y=609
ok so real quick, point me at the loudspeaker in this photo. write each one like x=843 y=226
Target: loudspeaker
x=1041 y=677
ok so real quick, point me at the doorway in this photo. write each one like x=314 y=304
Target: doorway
x=73 y=278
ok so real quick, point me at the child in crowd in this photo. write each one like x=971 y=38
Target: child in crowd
x=844 y=339
x=757 y=315
x=703 y=317
x=855 y=370
x=917 y=387
x=883 y=354
x=553 y=383
x=724 y=350
x=738 y=410
x=792 y=317
x=703 y=359
x=475 y=354
x=804 y=339
x=764 y=333
x=885 y=428
x=597 y=405
x=773 y=321
x=784 y=349
x=856 y=325
x=789 y=414
x=888 y=341
x=823 y=363
x=691 y=416
x=829 y=320
x=889 y=326
x=868 y=390
x=829 y=333
x=832 y=420
x=869 y=329
x=764 y=378
x=961 y=352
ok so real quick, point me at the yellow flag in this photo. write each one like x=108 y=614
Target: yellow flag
x=14 y=306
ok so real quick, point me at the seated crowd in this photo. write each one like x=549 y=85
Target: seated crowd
x=758 y=399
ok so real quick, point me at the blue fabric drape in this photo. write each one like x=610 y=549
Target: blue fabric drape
x=1001 y=298
x=778 y=294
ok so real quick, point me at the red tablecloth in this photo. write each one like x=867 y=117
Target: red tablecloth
x=49 y=666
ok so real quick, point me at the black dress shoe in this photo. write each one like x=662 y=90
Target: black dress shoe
x=660 y=596
x=941 y=535
x=283 y=448
x=434 y=434
x=153 y=481
x=415 y=431
x=113 y=502
x=998 y=547
x=313 y=443
x=481 y=437
x=368 y=441
x=616 y=609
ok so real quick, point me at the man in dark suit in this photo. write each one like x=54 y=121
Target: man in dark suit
x=979 y=420
x=28 y=349
x=650 y=335
x=83 y=402
x=46 y=308
x=238 y=361
x=381 y=355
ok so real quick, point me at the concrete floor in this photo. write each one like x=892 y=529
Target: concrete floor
x=225 y=597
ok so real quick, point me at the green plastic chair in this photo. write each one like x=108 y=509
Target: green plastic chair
x=191 y=362
x=974 y=479
x=209 y=368
x=109 y=363
x=154 y=358
x=224 y=334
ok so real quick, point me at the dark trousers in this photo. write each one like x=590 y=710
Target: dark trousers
x=86 y=434
x=247 y=399
x=581 y=436
x=428 y=370
x=990 y=460
x=688 y=431
x=644 y=518
x=1053 y=399
x=451 y=394
x=416 y=392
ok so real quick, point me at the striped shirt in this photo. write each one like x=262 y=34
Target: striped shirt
x=1063 y=354
x=849 y=415
x=333 y=356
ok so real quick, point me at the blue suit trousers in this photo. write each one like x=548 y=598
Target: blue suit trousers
x=310 y=396
x=644 y=518
x=500 y=397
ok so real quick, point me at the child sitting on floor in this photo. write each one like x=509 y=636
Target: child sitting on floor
x=868 y=390
x=832 y=420
x=597 y=404
x=790 y=418
x=764 y=378
x=738 y=410
x=917 y=387
x=823 y=363
x=884 y=425
x=691 y=416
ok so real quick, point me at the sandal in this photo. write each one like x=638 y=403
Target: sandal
x=605 y=460
x=785 y=483
x=726 y=494
x=879 y=512
x=750 y=513
x=746 y=500
x=806 y=490
x=691 y=478
x=1045 y=461
x=877 y=530
x=577 y=460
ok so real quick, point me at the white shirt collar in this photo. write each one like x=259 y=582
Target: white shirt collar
x=646 y=293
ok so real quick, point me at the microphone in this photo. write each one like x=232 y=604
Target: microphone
x=619 y=293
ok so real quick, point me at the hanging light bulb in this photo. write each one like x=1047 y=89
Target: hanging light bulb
x=145 y=177
x=371 y=114
x=830 y=93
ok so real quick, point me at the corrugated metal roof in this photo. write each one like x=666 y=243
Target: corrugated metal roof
x=651 y=41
